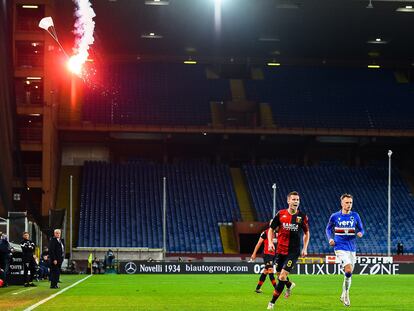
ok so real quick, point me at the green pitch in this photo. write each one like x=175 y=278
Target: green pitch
x=211 y=292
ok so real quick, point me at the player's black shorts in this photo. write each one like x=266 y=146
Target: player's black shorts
x=286 y=262
x=269 y=259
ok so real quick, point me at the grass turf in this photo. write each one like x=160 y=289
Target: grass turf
x=213 y=292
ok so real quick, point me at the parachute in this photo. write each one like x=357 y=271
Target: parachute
x=84 y=29
x=46 y=23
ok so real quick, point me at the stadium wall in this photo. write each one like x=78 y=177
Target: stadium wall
x=140 y=267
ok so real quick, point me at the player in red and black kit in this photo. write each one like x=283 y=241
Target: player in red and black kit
x=268 y=258
x=290 y=222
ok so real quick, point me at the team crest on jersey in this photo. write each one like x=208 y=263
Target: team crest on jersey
x=298 y=219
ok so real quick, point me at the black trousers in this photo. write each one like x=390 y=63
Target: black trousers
x=55 y=273
x=29 y=264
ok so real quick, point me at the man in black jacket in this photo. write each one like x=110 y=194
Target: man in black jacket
x=5 y=255
x=56 y=255
x=29 y=263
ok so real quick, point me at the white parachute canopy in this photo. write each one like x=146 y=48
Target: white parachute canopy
x=46 y=23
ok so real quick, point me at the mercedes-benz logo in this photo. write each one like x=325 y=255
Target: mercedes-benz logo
x=130 y=267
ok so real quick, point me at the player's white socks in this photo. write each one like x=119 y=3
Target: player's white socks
x=347 y=282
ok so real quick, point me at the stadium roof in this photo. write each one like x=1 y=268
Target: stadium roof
x=254 y=30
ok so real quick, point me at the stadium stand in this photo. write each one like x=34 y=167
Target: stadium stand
x=154 y=94
x=310 y=97
x=320 y=188
x=313 y=97
x=121 y=205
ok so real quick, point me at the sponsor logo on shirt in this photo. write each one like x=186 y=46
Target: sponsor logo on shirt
x=347 y=223
x=290 y=227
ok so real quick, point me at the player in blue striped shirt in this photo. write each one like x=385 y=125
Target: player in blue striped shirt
x=342 y=230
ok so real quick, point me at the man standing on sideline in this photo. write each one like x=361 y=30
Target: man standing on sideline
x=400 y=248
x=5 y=255
x=56 y=255
x=290 y=222
x=29 y=263
x=345 y=225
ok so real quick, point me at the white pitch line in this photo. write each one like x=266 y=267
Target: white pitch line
x=22 y=291
x=56 y=294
